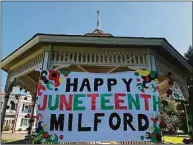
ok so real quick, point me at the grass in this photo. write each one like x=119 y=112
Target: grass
x=9 y=139
x=173 y=139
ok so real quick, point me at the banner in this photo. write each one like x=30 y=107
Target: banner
x=81 y=107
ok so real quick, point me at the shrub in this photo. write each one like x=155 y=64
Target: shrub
x=20 y=129
x=7 y=128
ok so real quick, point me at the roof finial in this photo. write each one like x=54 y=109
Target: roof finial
x=98 y=20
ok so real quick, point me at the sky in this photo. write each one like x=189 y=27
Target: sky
x=22 y=20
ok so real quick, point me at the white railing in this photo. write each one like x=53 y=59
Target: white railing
x=100 y=58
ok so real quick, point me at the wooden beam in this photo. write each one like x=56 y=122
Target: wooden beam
x=26 y=83
x=134 y=68
x=62 y=66
x=111 y=70
x=82 y=68
x=31 y=79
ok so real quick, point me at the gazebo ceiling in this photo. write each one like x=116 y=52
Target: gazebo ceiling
x=39 y=40
x=35 y=75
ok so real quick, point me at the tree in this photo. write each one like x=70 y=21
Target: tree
x=189 y=55
x=172 y=118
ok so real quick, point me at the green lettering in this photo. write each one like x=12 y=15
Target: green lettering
x=156 y=103
x=77 y=102
x=132 y=101
x=50 y=107
x=104 y=100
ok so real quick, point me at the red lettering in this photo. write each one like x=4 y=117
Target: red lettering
x=63 y=102
x=118 y=101
x=40 y=88
x=45 y=100
x=93 y=100
x=146 y=97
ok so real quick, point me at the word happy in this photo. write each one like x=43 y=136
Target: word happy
x=72 y=84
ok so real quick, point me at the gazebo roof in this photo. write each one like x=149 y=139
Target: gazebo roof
x=39 y=40
x=98 y=32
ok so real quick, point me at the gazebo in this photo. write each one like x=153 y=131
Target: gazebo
x=97 y=52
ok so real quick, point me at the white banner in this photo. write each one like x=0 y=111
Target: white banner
x=80 y=107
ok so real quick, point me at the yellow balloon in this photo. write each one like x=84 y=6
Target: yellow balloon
x=151 y=128
x=144 y=72
x=45 y=126
x=156 y=81
x=61 y=80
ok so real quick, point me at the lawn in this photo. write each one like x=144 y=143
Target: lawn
x=9 y=139
x=173 y=139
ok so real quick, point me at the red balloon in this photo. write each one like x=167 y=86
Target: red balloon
x=61 y=137
x=45 y=135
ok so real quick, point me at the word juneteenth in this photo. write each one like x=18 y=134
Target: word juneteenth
x=74 y=102
x=120 y=101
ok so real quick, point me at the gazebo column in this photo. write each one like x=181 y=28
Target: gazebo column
x=8 y=90
x=28 y=137
x=45 y=65
x=4 y=109
x=32 y=119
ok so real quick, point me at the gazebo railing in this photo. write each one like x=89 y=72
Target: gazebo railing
x=100 y=58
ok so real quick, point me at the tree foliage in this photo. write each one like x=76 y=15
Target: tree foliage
x=189 y=55
x=172 y=119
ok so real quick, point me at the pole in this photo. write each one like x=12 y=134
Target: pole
x=29 y=138
x=32 y=114
x=8 y=90
x=16 y=113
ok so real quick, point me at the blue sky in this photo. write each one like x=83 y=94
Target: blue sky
x=22 y=20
